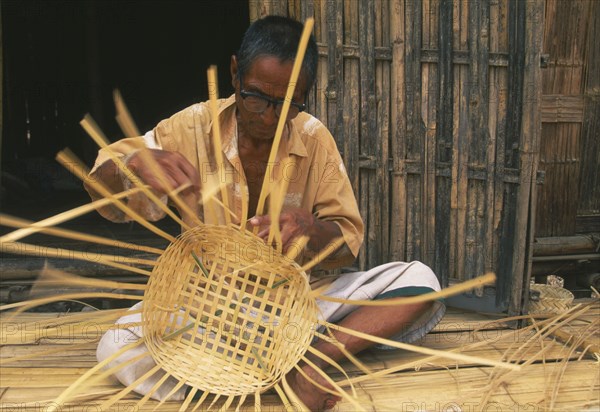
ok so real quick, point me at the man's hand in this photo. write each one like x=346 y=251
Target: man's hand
x=177 y=170
x=296 y=222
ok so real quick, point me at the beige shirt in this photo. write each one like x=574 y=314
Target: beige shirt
x=317 y=179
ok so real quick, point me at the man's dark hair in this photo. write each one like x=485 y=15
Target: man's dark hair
x=278 y=37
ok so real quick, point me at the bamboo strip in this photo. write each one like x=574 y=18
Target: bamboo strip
x=123 y=116
x=257 y=403
x=188 y=400
x=565 y=337
x=173 y=193
x=106 y=259
x=61 y=277
x=276 y=202
x=69 y=161
x=333 y=363
x=200 y=401
x=15 y=222
x=282 y=395
x=83 y=378
x=13 y=359
x=90 y=126
x=227 y=403
x=98 y=316
x=241 y=402
x=215 y=399
x=64 y=216
x=449 y=291
x=337 y=390
x=418 y=349
x=308 y=25
x=444 y=293
x=146 y=398
x=297 y=247
x=128 y=389
x=213 y=94
x=324 y=253
x=360 y=365
x=298 y=405
x=128 y=126
x=37 y=302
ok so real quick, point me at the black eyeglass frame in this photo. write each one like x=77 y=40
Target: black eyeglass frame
x=275 y=102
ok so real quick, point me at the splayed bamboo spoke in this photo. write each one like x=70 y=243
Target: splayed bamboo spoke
x=297 y=247
x=361 y=366
x=308 y=26
x=169 y=395
x=54 y=277
x=298 y=405
x=90 y=126
x=123 y=116
x=337 y=390
x=84 y=378
x=74 y=165
x=58 y=253
x=213 y=94
x=64 y=216
x=147 y=396
x=201 y=401
x=323 y=254
x=67 y=296
x=128 y=389
x=276 y=201
x=419 y=349
x=284 y=399
x=333 y=363
x=188 y=399
x=11 y=221
x=486 y=279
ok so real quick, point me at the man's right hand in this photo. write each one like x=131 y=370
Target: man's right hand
x=177 y=171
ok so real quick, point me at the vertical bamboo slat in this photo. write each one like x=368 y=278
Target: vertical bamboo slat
x=414 y=129
x=398 y=132
x=445 y=104
x=370 y=141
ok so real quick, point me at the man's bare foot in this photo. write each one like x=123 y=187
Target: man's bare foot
x=313 y=397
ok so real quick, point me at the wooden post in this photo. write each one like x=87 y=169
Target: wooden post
x=529 y=156
x=368 y=131
x=445 y=112
x=398 y=131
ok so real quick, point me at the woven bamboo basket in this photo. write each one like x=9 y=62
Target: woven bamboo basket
x=226 y=313
x=552 y=300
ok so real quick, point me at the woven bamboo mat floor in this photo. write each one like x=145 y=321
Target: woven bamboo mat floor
x=558 y=378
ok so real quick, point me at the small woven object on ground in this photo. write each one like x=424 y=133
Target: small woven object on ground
x=552 y=300
x=226 y=313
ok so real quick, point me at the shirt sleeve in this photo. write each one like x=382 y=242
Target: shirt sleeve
x=335 y=201
x=138 y=202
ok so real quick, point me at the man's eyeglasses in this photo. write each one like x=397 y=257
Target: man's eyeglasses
x=258 y=103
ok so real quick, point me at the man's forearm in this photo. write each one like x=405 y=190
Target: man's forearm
x=322 y=233
x=108 y=175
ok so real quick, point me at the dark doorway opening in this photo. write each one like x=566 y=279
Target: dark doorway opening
x=63 y=58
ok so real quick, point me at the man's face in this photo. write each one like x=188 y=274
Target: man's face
x=269 y=77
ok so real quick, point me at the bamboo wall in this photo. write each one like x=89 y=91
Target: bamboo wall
x=435 y=108
x=569 y=199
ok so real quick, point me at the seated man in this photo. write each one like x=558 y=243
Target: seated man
x=319 y=202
